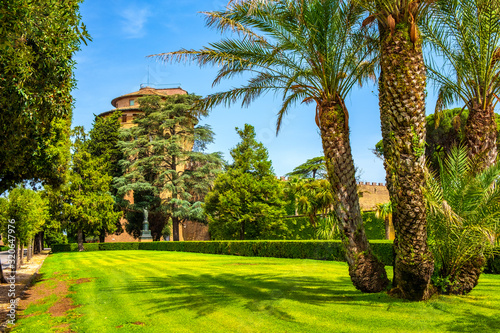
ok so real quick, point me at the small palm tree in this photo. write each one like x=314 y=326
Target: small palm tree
x=309 y=52
x=466 y=33
x=463 y=213
x=402 y=84
x=384 y=211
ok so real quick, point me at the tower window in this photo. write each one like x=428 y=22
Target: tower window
x=124 y=118
x=131 y=102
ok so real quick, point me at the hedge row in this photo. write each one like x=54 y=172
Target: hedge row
x=320 y=250
x=301 y=249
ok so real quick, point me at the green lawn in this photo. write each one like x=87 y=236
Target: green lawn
x=150 y=291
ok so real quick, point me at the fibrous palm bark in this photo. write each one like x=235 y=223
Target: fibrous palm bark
x=366 y=271
x=402 y=111
x=481 y=134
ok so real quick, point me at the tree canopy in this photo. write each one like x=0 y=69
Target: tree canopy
x=37 y=42
x=164 y=164
x=245 y=202
x=312 y=168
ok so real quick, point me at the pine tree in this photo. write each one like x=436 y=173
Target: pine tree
x=103 y=143
x=164 y=166
x=88 y=204
x=245 y=202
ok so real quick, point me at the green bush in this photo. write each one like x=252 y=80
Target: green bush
x=4 y=248
x=374 y=226
x=310 y=249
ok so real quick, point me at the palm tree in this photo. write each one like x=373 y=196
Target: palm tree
x=313 y=198
x=308 y=51
x=466 y=33
x=384 y=211
x=464 y=214
x=402 y=85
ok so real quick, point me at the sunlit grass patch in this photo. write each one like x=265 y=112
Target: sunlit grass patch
x=155 y=291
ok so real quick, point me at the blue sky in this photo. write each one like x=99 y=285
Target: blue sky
x=124 y=32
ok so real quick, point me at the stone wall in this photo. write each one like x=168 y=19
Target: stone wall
x=371 y=194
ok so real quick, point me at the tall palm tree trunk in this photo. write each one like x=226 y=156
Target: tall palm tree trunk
x=481 y=134
x=481 y=139
x=366 y=271
x=402 y=113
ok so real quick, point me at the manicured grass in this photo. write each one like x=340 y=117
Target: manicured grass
x=149 y=291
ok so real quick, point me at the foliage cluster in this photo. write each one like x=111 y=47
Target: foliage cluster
x=463 y=217
x=28 y=209
x=38 y=40
x=164 y=164
x=245 y=202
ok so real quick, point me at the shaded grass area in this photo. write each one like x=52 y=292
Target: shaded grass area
x=149 y=291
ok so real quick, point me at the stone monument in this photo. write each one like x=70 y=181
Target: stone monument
x=146 y=233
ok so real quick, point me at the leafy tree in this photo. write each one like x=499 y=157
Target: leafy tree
x=162 y=170
x=37 y=43
x=103 y=143
x=464 y=215
x=308 y=51
x=29 y=212
x=402 y=84
x=312 y=168
x=470 y=73
x=245 y=202
x=88 y=204
x=54 y=227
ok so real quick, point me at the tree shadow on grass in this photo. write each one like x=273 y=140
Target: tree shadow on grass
x=474 y=322
x=207 y=293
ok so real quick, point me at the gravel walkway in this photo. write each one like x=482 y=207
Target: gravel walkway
x=25 y=277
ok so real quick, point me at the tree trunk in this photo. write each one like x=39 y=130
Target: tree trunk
x=28 y=254
x=102 y=236
x=389 y=228
x=467 y=278
x=16 y=260
x=481 y=135
x=2 y=277
x=36 y=248
x=481 y=138
x=80 y=240
x=402 y=113
x=21 y=255
x=242 y=230
x=366 y=271
x=175 y=228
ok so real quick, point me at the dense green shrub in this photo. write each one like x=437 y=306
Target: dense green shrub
x=311 y=249
x=374 y=227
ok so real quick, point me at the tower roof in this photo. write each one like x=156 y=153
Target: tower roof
x=147 y=91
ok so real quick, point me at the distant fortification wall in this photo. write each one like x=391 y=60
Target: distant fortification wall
x=371 y=194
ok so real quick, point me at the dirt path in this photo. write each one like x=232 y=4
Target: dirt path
x=25 y=277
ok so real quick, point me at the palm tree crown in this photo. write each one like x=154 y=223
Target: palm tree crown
x=466 y=33
x=307 y=51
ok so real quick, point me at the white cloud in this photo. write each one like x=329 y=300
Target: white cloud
x=134 y=21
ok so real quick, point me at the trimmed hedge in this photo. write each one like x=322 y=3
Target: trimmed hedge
x=300 y=249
